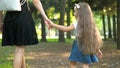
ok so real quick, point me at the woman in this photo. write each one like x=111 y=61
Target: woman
x=19 y=30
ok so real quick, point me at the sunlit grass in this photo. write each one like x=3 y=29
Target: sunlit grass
x=56 y=40
x=6 y=64
x=6 y=57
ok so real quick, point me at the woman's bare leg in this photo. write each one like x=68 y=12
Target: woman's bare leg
x=18 y=58
x=72 y=64
x=23 y=62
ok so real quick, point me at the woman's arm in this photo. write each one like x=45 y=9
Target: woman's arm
x=39 y=7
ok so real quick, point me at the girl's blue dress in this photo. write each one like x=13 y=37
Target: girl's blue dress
x=77 y=55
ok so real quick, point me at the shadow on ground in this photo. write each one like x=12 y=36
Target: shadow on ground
x=55 y=55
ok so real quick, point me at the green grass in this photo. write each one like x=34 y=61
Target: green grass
x=56 y=40
x=6 y=57
x=6 y=64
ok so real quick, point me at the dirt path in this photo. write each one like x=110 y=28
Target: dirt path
x=55 y=55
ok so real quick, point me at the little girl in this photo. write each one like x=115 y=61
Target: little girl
x=88 y=40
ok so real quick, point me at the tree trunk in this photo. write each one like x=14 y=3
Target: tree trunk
x=104 y=28
x=118 y=24
x=109 y=27
x=68 y=19
x=43 y=35
x=1 y=18
x=61 y=22
x=114 y=27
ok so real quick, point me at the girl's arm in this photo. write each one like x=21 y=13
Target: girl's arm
x=62 y=28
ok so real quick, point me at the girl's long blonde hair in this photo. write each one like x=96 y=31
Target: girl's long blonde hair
x=88 y=36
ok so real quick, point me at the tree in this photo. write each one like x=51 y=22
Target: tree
x=61 y=22
x=109 y=27
x=118 y=24
x=43 y=35
x=68 y=17
x=104 y=27
x=114 y=26
x=37 y=17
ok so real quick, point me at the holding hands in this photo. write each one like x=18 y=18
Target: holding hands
x=49 y=23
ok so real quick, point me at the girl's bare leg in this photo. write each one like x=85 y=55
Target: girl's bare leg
x=18 y=58
x=72 y=64
x=85 y=65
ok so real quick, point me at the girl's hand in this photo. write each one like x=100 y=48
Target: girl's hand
x=99 y=54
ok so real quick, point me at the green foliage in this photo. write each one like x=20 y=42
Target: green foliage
x=98 y=19
x=6 y=56
x=6 y=64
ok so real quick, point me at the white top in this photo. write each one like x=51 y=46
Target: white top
x=75 y=25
